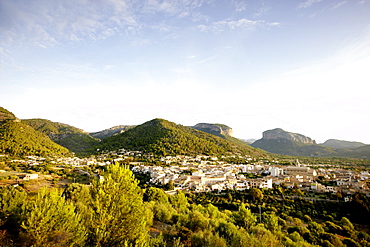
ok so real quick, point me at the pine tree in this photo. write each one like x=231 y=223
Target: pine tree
x=119 y=214
x=50 y=220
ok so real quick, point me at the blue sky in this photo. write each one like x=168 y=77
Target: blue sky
x=299 y=65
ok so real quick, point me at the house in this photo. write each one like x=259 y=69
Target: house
x=260 y=183
x=276 y=171
x=29 y=176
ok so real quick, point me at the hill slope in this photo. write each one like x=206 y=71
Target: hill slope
x=72 y=138
x=333 y=143
x=162 y=137
x=19 y=139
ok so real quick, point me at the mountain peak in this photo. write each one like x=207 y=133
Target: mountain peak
x=279 y=133
x=215 y=129
x=6 y=115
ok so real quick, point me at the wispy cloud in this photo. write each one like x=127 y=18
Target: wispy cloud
x=307 y=3
x=338 y=5
x=50 y=22
x=206 y=59
x=241 y=24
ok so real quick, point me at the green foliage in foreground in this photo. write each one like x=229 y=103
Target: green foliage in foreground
x=109 y=213
x=116 y=212
x=161 y=137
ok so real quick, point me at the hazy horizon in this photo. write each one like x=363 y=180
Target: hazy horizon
x=252 y=65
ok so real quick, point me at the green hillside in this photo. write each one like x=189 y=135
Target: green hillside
x=289 y=147
x=339 y=144
x=5 y=115
x=362 y=152
x=161 y=137
x=72 y=138
x=19 y=139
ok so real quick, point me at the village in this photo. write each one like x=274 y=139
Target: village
x=205 y=174
x=210 y=173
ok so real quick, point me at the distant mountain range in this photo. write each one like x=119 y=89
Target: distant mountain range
x=279 y=141
x=160 y=137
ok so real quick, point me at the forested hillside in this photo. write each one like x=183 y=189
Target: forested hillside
x=72 y=138
x=162 y=137
x=19 y=139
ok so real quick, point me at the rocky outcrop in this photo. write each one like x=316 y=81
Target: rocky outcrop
x=112 y=131
x=215 y=129
x=282 y=134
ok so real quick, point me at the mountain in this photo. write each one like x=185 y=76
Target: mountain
x=336 y=144
x=279 y=141
x=72 y=138
x=111 y=131
x=162 y=137
x=220 y=130
x=278 y=133
x=19 y=139
x=282 y=142
x=214 y=129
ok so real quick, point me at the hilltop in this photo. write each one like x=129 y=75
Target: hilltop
x=162 y=137
x=214 y=129
x=19 y=139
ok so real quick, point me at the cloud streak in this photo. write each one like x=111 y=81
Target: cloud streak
x=307 y=4
x=241 y=24
x=52 y=22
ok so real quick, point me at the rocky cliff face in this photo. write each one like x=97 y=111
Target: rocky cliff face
x=112 y=131
x=216 y=129
x=282 y=134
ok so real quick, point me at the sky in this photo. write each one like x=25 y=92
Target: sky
x=254 y=65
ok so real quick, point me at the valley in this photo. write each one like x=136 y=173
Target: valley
x=185 y=182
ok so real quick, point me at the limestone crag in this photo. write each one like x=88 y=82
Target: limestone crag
x=218 y=129
x=282 y=134
x=112 y=131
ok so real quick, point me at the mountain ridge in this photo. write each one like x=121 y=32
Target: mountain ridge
x=279 y=141
x=162 y=137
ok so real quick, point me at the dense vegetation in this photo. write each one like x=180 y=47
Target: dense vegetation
x=109 y=213
x=116 y=212
x=289 y=147
x=72 y=138
x=161 y=137
x=5 y=114
x=19 y=139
